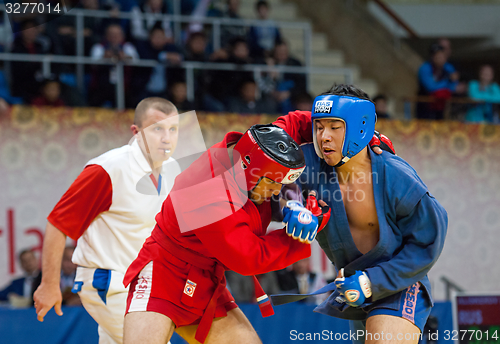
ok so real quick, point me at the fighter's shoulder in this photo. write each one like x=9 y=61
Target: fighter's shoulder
x=299 y=113
x=395 y=165
x=402 y=181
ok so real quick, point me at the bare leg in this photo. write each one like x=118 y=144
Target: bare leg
x=147 y=327
x=387 y=329
x=233 y=329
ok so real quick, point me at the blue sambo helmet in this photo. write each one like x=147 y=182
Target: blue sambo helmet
x=357 y=114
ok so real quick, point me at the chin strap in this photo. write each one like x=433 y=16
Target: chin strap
x=343 y=161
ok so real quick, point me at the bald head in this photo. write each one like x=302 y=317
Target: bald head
x=155 y=103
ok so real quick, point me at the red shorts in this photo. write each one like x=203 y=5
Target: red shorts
x=172 y=287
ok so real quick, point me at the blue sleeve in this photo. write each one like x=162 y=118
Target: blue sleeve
x=491 y=96
x=495 y=93
x=448 y=67
x=430 y=85
x=424 y=230
x=473 y=90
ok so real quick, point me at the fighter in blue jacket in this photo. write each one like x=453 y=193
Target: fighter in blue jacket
x=386 y=230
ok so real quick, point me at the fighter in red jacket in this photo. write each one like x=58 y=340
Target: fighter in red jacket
x=215 y=219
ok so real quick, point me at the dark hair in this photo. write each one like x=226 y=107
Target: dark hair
x=47 y=80
x=435 y=48
x=200 y=34
x=156 y=103
x=347 y=90
x=379 y=97
x=261 y=3
x=25 y=251
x=246 y=81
x=237 y=40
x=158 y=26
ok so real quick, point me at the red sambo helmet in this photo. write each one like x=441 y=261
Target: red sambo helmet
x=268 y=151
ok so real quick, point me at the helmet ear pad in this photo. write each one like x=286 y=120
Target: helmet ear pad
x=359 y=118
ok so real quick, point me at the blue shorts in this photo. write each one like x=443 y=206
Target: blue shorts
x=413 y=307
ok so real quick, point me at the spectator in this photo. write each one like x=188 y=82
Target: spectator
x=262 y=39
x=230 y=32
x=115 y=7
x=303 y=102
x=63 y=30
x=20 y=291
x=68 y=273
x=196 y=47
x=50 y=94
x=282 y=86
x=381 y=106
x=25 y=75
x=282 y=57
x=247 y=102
x=238 y=54
x=102 y=89
x=300 y=280
x=178 y=96
x=439 y=79
x=141 y=26
x=484 y=89
x=446 y=44
x=152 y=82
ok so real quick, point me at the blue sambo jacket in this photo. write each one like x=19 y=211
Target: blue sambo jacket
x=412 y=231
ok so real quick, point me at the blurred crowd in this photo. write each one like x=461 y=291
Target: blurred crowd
x=138 y=39
x=440 y=81
x=241 y=91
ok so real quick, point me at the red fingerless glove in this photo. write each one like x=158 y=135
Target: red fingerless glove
x=321 y=212
x=382 y=141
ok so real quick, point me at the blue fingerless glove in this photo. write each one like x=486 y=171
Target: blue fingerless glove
x=301 y=224
x=355 y=289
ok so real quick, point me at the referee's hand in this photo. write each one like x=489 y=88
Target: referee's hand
x=47 y=296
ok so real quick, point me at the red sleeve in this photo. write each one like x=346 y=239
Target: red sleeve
x=234 y=244
x=89 y=195
x=298 y=125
